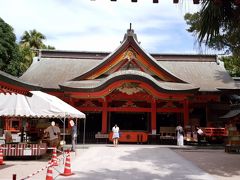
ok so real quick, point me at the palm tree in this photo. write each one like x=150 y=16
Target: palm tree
x=33 y=39
x=218 y=17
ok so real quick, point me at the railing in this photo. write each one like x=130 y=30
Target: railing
x=89 y=138
x=24 y=149
x=132 y=137
x=217 y=132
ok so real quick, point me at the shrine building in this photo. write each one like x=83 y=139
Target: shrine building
x=140 y=92
x=11 y=84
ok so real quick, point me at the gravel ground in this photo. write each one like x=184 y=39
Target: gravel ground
x=223 y=166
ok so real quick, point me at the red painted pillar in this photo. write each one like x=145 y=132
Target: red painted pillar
x=186 y=112
x=104 y=117
x=6 y=124
x=71 y=101
x=207 y=112
x=154 y=116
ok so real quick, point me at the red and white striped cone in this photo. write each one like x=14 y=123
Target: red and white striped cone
x=1 y=156
x=67 y=168
x=54 y=157
x=49 y=175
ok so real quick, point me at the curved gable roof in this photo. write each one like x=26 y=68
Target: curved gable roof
x=129 y=42
x=56 y=67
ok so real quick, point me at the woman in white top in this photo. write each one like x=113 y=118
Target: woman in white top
x=180 y=134
x=115 y=136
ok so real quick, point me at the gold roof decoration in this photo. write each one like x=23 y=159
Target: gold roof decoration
x=130 y=88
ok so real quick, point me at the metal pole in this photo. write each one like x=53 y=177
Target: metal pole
x=77 y=129
x=84 y=126
x=64 y=128
x=14 y=177
x=76 y=142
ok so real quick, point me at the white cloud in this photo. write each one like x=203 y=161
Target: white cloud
x=101 y=24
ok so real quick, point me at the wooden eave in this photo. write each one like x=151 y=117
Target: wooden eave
x=94 y=85
x=11 y=84
x=228 y=90
x=108 y=90
x=113 y=83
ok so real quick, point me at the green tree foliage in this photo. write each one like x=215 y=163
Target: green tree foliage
x=217 y=18
x=9 y=51
x=16 y=58
x=31 y=41
x=217 y=26
x=232 y=64
x=27 y=57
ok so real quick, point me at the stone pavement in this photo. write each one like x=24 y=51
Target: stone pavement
x=223 y=166
x=133 y=162
x=125 y=162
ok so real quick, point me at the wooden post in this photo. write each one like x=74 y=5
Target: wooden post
x=14 y=177
x=207 y=114
x=104 y=117
x=71 y=101
x=186 y=112
x=153 y=116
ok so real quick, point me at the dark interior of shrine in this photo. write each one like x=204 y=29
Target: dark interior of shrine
x=93 y=122
x=167 y=120
x=133 y=121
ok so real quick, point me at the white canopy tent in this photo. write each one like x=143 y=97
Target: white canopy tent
x=39 y=105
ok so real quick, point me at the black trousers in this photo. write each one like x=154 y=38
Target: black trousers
x=199 y=138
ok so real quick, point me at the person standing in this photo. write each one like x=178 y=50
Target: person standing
x=199 y=134
x=180 y=135
x=115 y=136
x=54 y=134
x=8 y=137
x=74 y=135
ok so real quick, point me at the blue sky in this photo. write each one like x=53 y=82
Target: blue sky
x=100 y=25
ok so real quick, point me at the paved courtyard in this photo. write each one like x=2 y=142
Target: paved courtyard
x=223 y=166
x=135 y=162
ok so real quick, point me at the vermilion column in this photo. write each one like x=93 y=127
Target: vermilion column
x=186 y=112
x=71 y=102
x=207 y=113
x=104 y=117
x=153 y=116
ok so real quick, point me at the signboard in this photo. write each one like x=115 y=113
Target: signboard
x=154 y=131
x=101 y=136
x=27 y=152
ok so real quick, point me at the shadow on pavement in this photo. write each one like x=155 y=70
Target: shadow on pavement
x=214 y=161
x=143 y=164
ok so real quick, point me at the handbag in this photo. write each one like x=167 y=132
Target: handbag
x=181 y=132
x=54 y=132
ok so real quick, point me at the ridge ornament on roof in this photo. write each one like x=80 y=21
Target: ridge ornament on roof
x=119 y=59
x=130 y=32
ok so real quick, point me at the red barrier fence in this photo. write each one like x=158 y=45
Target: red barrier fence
x=215 y=132
x=24 y=149
x=131 y=136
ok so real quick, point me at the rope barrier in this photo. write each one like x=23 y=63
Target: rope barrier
x=38 y=171
x=42 y=169
x=28 y=148
x=49 y=164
